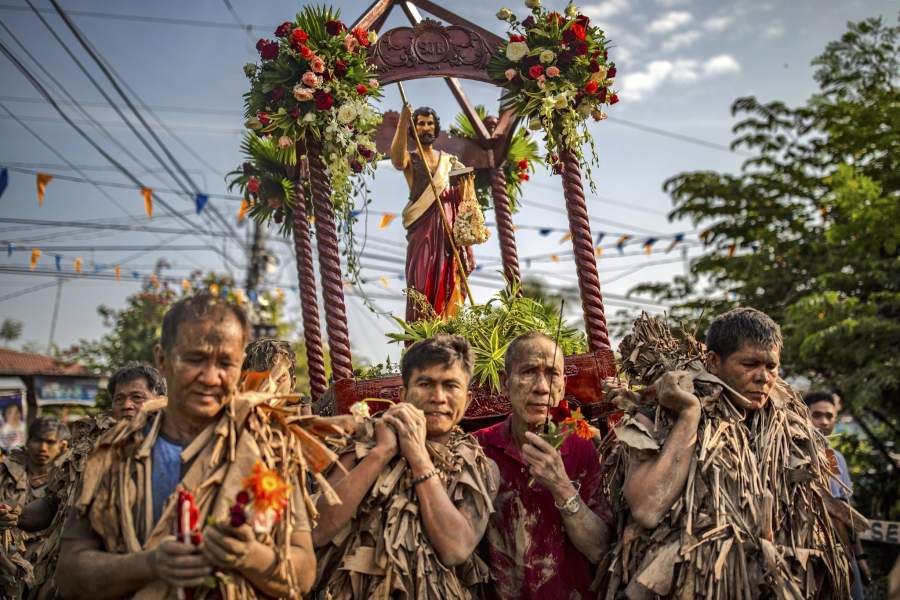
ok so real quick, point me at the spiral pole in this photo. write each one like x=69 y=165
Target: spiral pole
x=309 y=305
x=583 y=245
x=505 y=230
x=330 y=269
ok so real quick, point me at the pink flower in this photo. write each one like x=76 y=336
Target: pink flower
x=284 y=142
x=553 y=71
x=303 y=94
x=510 y=74
x=350 y=42
x=317 y=64
x=373 y=84
x=310 y=79
x=541 y=81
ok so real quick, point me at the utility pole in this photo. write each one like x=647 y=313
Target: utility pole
x=59 y=284
x=258 y=259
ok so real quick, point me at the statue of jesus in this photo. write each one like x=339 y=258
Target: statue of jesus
x=431 y=268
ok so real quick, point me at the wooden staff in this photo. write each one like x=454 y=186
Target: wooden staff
x=437 y=199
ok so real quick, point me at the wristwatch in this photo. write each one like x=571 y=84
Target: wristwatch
x=573 y=504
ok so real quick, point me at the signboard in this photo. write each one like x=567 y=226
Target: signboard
x=66 y=390
x=886 y=532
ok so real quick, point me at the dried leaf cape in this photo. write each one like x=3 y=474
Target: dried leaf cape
x=384 y=552
x=755 y=519
x=252 y=427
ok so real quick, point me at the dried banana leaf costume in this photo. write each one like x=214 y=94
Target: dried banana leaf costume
x=755 y=519
x=384 y=552
x=116 y=499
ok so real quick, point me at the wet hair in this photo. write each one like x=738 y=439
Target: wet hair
x=730 y=330
x=43 y=426
x=198 y=307
x=137 y=370
x=261 y=354
x=811 y=398
x=514 y=350
x=437 y=350
x=427 y=110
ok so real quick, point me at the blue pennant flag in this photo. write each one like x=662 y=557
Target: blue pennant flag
x=253 y=296
x=4 y=180
x=200 y=201
x=679 y=237
x=224 y=293
x=355 y=213
x=528 y=263
x=9 y=249
x=478 y=267
x=545 y=230
x=600 y=236
x=135 y=274
x=58 y=259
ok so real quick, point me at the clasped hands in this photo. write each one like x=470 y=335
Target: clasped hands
x=402 y=428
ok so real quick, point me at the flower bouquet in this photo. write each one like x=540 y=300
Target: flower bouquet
x=563 y=422
x=556 y=71
x=313 y=84
x=261 y=502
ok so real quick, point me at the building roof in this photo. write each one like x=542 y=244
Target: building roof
x=25 y=363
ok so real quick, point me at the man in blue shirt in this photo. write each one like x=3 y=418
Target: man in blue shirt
x=823 y=414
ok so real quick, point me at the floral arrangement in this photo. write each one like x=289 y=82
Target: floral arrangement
x=261 y=502
x=313 y=84
x=563 y=422
x=556 y=71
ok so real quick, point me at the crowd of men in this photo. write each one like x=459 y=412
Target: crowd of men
x=415 y=508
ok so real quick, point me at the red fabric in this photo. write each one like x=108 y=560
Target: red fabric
x=430 y=266
x=526 y=524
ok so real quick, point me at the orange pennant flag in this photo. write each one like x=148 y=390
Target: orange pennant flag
x=554 y=258
x=214 y=290
x=565 y=238
x=35 y=257
x=242 y=211
x=76 y=264
x=185 y=285
x=279 y=293
x=148 y=201
x=239 y=296
x=42 y=180
x=154 y=281
x=118 y=273
x=598 y=251
x=386 y=219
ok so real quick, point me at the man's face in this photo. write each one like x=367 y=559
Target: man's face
x=823 y=415
x=442 y=392
x=203 y=366
x=425 y=129
x=129 y=397
x=534 y=382
x=751 y=370
x=44 y=448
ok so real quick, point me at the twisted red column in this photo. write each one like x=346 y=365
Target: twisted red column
x=330 y=269
x=585 y=260
x=505 y=231
x=309 y=306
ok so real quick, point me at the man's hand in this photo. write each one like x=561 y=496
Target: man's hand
x=675 y=391
x=405 y=114
x=227 y=547
x=616 y=391
x=409 y=424
x=547 y=467
x=180 y=565
x=385 y=439
x=9 y=516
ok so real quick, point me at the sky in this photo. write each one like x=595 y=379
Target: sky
x=681 y=64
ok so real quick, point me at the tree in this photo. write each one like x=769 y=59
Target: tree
x=808 y=232
x=10 y=330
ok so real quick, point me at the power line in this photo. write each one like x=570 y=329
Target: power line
x=677 y=136
x=113 y=248
x=157 y=107
x=187 y=126
x=110 y=226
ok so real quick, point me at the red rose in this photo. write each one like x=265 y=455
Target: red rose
x=362 y=90
x=523 y=176
x=536 y=71
x=580 y=48
x=268 y=50
x=247 y=167
x=582 y=20
x=555 y=16
x=523 y=164
x=614 y=98
x=362 y=36
x=340 y=68
x=602 y=96
x=306 y=53
x=591 y=87
x=277 y=94
x=295 y=113
x=365 y=152
x=236 y=516
x=594 y=66
x=284 y=29
x=578 y=31
x=516 y=38
x=324 y=101
x=253 y=185
x=196 y=537
x=263 y=117
x=243 y=497
x=356 y=166
x=334 y=27
x=612 y=72
x=528 y=23
x=560 y=412
x=299 y=36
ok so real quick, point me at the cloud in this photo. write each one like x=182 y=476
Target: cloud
x=670 y=21
x=718 y=23
x=773 y=31
x=605 y=9
x=720 y=65
x=680 y=40
x=671 y=3
x=639 y=83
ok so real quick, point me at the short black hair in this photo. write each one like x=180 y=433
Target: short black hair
x=199 y=306
x=811 y=398
x=437 y=350
x=260 y=355
x=137 y=370
x=47 y=425
x=514 y=349
x=427 y=110
x=742 y=325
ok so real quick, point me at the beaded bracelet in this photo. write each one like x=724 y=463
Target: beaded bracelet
x=422 y=478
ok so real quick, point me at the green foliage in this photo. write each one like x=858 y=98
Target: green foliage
x=814 y=217
x=491 y=327
x=10 y=330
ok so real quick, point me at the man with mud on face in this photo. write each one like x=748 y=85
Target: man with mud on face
x=551 y=518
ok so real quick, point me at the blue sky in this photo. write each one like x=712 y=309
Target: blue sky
x=681 y=64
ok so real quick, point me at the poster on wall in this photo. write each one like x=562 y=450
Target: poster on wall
x=65 y=390
x=12 y=426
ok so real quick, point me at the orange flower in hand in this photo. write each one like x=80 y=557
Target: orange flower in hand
x=268 y=489
x=579 y=425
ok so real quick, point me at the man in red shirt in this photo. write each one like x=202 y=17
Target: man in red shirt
x=551 y=520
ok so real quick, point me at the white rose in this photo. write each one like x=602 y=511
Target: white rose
x=584 y=110
x=560 y=102
x=516 y=51
x=309 y=117
x=346 y=113
x=571 y=11
x=504 y=13
x=360 y=409
x=253 y=123
x=547 y=56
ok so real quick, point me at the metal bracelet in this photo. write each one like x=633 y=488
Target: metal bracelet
x=422 y=478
